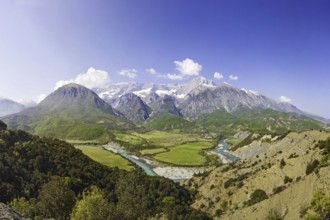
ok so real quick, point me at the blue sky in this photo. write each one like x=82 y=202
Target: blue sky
x=277 y=47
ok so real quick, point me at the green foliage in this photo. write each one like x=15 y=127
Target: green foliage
x=3 y=126
x=320 y=203
x=25 y=207
x=246 y=141
x=56 y=199
x=257 y=196
x=93 y=206
x=28 y=165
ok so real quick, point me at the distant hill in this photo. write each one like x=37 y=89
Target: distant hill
x=169 y=122
x=71 y=111
x=8 y=107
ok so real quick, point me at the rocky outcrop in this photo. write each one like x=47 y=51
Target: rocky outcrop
x=7 y=213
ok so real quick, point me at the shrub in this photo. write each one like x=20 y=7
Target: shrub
x=278 y=189
x=312 y=166
x=282 y=163
x=257 y=196
x=287 y=180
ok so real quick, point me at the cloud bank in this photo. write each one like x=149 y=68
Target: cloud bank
x=93 y=78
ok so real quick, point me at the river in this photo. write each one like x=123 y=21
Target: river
x=222 y=151
x=174 y=173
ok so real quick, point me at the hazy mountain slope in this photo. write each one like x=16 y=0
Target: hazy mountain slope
x=8 y=107
x=72 y=111
x=226 y=191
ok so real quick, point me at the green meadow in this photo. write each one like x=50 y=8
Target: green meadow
x=105 y=157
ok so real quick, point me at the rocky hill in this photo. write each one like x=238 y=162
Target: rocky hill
x=280 y=176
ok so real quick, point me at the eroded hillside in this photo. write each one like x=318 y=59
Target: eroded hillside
x=280 y=178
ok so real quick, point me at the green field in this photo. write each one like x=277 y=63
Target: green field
x=169 y=147
x=153 y=151
x=105 y=157
x=186 y=154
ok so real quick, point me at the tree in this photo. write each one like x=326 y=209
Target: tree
x=93 y=206
x=3 y=126
x=56 y=199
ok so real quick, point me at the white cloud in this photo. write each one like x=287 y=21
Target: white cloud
x=130 y=73
x=285 y=99
x=188 y=67
x=175 y=76
x=151 y=71
x=91 y=79
x=233 y=77
x=218 y=75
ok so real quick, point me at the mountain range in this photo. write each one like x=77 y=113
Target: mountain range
x=74 y=111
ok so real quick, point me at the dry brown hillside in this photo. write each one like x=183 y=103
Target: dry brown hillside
x=277 y=174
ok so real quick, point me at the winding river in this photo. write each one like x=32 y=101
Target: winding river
x=221 y=150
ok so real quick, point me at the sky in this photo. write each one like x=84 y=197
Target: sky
x=280 y=48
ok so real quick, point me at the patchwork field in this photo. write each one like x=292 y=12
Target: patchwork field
x=169 y=147
x=105 y=157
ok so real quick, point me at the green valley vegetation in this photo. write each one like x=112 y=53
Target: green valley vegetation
x=169 y=147
x=48 y=178
x=105 y=157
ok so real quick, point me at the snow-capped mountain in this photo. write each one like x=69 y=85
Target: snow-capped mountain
x=8 y=107
x=196 y=97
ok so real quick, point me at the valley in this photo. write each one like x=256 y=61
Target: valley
x=233 y=159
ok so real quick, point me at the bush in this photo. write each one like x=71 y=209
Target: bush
x=312 y=166
x=218 y=212
x=282 y=163
x=257 y=196
x=278 y=189
x=287 y=180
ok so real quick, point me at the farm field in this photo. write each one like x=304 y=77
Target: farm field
x=105 y=157
x=153 y=151
x=188 y=154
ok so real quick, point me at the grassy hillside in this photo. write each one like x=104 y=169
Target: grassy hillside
x=169 y=122
x=284 y=182
x=71 y=112
x=260 y=121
